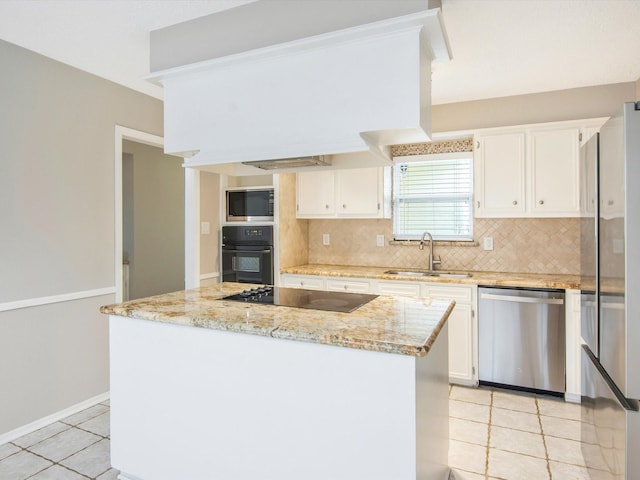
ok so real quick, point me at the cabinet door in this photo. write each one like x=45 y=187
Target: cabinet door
x=302 y=281
x=587 y=133
x=462 y=331
x=355 y=286
x=555 y=159
x=461 y=345
x=315 y=194
x=611 y=186
x=588 y=157
x=500 y=175
x=358 y=192
x=405 y=289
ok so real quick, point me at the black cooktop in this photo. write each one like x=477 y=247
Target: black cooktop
x=302 y=298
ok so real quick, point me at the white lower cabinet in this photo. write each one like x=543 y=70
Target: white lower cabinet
x=462 y=351
x=573 y=345
x=463 y=329
x=407 y=289
x=348 y=285
x=311 y=282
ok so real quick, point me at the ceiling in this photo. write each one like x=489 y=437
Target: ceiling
x=500 y=47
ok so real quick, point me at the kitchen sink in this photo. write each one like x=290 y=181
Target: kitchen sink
x=425 y=273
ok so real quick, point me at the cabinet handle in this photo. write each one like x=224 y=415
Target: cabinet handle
x=326 y=206
x=345 y=287
x=478 y=203
x=344 y=205
x=515 y=202
x=541 y=202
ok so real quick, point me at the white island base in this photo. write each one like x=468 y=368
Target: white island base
x=198 y=404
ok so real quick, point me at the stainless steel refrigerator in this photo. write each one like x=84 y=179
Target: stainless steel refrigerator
x=610 y=298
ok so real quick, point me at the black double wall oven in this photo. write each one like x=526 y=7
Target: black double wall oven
x=247 y=254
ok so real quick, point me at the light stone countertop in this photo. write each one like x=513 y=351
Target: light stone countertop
x=401 y=325
x=502 y=279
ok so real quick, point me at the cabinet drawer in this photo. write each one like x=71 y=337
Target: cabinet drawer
x=399 y=288
x=301 y=281
x=356 y=286
x=459 y=294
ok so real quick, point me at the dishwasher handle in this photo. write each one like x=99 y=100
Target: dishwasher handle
x=511 y=298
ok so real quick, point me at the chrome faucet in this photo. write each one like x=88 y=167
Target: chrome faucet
x=432 y=261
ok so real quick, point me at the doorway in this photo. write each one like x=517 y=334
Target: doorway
x=153 y=221
x=149 y=217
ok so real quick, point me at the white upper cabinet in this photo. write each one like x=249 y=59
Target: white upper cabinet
x=349 y=193
x=588 y=157
x=499 y=174
x=315 y=194
x=359 y=192
x=531 y=171
x=554 y=172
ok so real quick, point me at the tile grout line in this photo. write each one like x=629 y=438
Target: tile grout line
x=544 y=440
x=27 y=449
x=486 y=462
x=53 y=463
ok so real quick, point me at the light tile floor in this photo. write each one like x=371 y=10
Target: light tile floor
x=495 y=434
x=500 y=434
x=75 y=448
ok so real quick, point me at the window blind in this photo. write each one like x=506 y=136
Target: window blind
x=436 y=196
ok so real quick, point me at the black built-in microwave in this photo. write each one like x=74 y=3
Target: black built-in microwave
x=250 y=205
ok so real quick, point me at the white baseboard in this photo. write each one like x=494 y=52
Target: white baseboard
x=463 y=382
x=123 y=476
x=572 y=397
x=207 y=276
x=43 y=422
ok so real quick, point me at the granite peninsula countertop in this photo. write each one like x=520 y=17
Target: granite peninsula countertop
x=502 y=279
x=402 y=325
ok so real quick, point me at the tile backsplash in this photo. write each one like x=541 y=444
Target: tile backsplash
x=293 y=232
x=527 y=245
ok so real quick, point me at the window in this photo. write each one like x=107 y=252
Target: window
x=434 y=195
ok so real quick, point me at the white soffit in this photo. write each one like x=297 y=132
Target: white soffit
x=352 y=90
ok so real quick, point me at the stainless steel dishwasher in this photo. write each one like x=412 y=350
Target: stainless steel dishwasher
x=522 y=338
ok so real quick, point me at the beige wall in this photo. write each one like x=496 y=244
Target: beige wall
x=57 y=131
x=573 y=104
x=520 y=245
x=155 y=248
x=638 y=90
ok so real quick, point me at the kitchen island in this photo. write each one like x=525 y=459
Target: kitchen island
x=205 y=388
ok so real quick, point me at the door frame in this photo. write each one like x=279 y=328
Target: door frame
x=191 y=205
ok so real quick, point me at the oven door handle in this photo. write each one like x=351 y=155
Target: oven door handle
x=266 y=250
x=233 y=264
